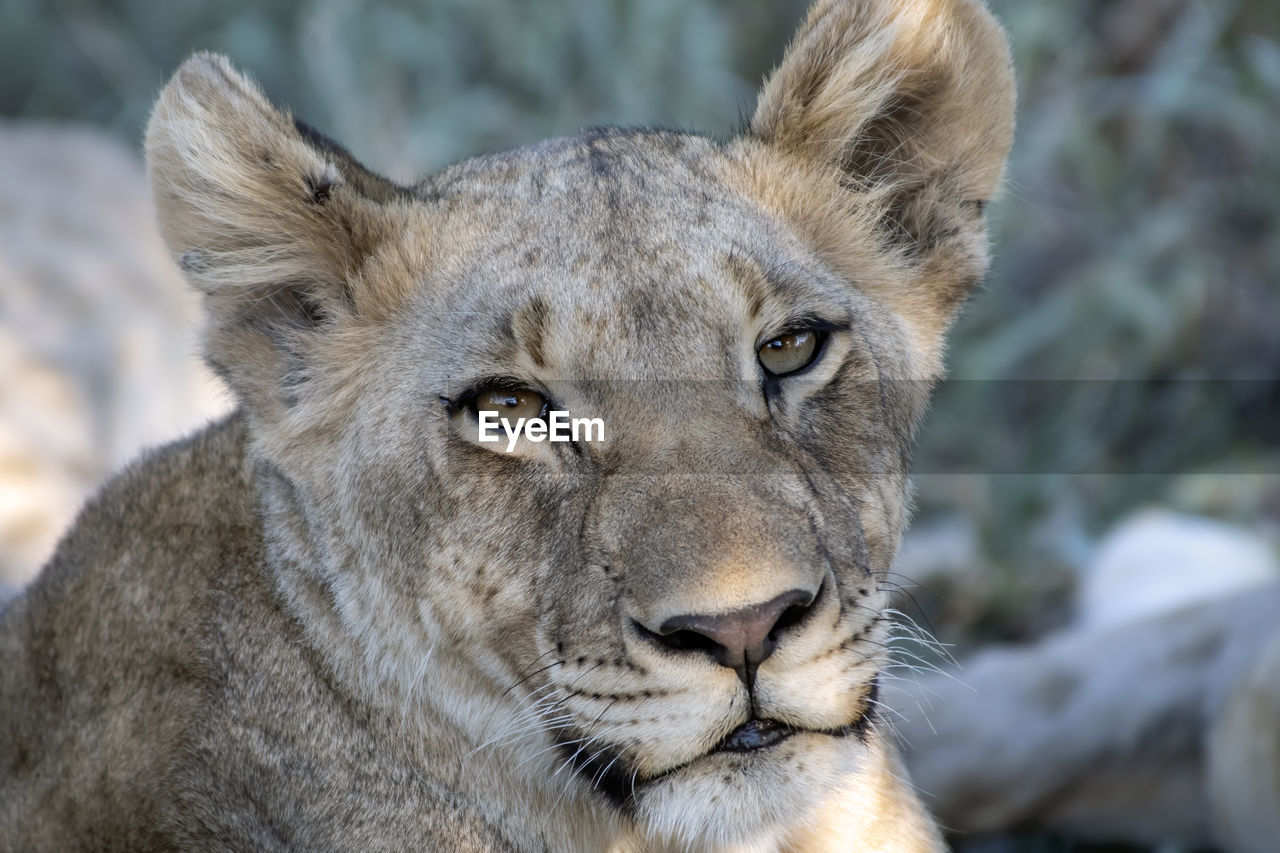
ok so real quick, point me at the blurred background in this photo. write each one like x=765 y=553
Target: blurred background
x=1109 y=433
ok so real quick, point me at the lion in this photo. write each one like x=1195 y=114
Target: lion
x=336 y=619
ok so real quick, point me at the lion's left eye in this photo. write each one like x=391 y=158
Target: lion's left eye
x=790 y=353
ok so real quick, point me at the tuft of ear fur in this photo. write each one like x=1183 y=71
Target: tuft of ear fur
x=281 y=229
x=897 y=115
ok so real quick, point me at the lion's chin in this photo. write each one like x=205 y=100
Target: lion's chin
x=746 y=800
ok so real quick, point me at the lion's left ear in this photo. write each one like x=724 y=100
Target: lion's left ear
x=904 y=109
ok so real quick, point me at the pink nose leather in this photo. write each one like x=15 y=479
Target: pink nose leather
x=739 y=640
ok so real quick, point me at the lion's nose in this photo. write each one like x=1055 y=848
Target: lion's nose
x=741 y=639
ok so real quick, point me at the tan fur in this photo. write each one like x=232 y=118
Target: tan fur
x=338 y=621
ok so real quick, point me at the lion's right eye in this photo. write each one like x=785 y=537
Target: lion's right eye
x=510 y=404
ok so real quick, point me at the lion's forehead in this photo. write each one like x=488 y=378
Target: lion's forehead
x=602 y=166
x=604 y=213
x=630 y=247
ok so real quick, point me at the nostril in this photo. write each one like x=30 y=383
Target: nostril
x=794 y=615
x=790 y=617
x=686 y=641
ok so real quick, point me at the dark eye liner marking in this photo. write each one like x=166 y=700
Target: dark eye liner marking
x=804 y=323
x=464 y=399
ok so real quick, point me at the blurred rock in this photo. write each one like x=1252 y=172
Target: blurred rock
x=97 y=332
x=1159 y=561
x=1244 y=759
x=1124 y=734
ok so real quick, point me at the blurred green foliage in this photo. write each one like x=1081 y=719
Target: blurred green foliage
x=407 y=86
x=1138 y=238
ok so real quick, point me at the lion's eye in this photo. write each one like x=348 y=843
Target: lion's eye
x=510 y=404
x=791 y=352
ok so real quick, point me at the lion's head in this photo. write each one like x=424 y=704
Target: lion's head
x=681 y=624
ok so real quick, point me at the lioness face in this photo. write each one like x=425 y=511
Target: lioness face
x=691 y=604
x=683 y=619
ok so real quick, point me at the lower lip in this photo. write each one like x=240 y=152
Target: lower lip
x=755 y=735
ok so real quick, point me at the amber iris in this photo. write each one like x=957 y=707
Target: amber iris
x=790 y=353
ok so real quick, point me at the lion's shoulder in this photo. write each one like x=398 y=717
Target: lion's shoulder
x=167 y=519
x=105 y=659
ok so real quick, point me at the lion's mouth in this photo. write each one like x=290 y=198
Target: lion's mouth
x=755 y=734
x=609 y=771
x=758 y=733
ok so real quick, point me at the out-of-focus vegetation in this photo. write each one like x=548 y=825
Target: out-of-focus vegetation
x=1125 y=348
x=1136 y=283
x=407 y=86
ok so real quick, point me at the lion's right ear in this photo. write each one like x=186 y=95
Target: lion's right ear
x=892 y=117
x=279 y=228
